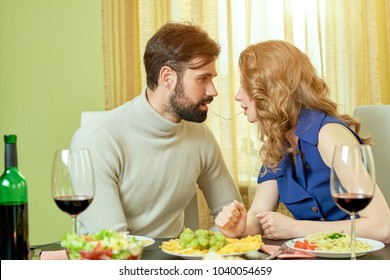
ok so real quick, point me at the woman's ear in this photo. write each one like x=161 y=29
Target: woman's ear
x=167 y=77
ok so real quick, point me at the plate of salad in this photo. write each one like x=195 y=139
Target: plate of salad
x=103 y=245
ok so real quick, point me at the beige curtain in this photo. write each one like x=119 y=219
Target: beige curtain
x=357 y=52
x=121 y=50
x=348 y=42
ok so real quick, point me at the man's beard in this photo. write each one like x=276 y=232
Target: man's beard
x=181 y=106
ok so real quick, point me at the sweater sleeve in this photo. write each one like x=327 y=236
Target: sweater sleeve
x=215 y=180
x=105 y=211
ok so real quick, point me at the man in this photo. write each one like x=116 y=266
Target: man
x=152 y=153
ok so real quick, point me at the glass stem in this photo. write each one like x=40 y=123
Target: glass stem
x=353 y=237
x=74 y=224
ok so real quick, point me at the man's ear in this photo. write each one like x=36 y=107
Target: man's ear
x=167 y=77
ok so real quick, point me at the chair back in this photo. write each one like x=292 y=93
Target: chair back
x=90 y=115
x=376 y=122
x=191 y=213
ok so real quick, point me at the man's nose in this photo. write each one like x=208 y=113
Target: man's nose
x=211 y=90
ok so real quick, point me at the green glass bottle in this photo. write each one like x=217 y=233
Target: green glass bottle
x=14 y=236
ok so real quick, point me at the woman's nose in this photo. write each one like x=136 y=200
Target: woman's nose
x=238 y=95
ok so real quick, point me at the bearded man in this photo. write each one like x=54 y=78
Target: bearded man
x=152 y=153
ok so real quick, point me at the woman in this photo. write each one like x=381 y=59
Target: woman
x=299 y=127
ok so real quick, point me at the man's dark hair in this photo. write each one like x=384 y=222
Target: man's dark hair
x=175 y=45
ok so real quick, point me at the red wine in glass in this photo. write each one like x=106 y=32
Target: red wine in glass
x=73 y=204
x=352 y=202
x=352 y=182
x=73 y=182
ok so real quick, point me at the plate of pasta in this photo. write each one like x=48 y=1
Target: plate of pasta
x=334 y=245
x=198 y=255
x=196 y=245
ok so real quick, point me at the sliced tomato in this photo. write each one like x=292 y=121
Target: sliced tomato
x=306 y=245
x=299 y=244
x=109 y=253
x=90 y=255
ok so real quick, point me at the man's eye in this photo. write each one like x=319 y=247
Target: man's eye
x=203 y=79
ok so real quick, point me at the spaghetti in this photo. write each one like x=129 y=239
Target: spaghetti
x=335 y=242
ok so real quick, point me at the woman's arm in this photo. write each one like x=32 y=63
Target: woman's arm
x=374 y=220
x=266 y=199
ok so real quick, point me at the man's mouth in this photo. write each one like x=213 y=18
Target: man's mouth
x=204 y=104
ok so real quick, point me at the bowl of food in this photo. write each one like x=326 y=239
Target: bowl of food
x=103 y=245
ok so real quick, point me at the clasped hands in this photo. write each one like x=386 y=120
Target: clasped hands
x=234 y=221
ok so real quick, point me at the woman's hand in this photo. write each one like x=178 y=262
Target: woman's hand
x=276 y=225
x=231 y=221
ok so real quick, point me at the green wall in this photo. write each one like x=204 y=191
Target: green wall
x=51 y=69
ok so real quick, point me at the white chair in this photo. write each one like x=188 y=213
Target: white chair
x=376 y=122
x=191 y=213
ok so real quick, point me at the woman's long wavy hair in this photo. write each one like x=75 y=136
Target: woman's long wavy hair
x=282 y=81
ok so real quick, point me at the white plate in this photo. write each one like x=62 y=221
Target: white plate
x=375 y=245
x=146 y=240
x=198 y=257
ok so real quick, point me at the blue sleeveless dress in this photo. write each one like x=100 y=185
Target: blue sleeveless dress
x=305 y=189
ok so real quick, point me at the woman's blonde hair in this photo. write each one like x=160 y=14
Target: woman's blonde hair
x=282 y=81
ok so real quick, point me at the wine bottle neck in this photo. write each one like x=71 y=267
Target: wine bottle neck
x=11 y=155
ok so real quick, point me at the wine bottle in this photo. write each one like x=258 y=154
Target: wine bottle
x=14 y=235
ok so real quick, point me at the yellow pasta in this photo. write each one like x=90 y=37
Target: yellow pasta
x=243 y=245
x=174 y=247
x=246 y=244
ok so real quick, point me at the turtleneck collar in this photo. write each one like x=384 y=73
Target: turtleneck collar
x=147 y=113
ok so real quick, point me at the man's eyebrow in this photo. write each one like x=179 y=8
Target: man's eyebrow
x=207 y=74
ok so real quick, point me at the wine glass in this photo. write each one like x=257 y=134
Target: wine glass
x=352 y=182
x=73 y=182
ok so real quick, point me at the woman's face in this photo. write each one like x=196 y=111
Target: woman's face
x=248 y=104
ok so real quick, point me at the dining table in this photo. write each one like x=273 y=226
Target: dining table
x=154 y=251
